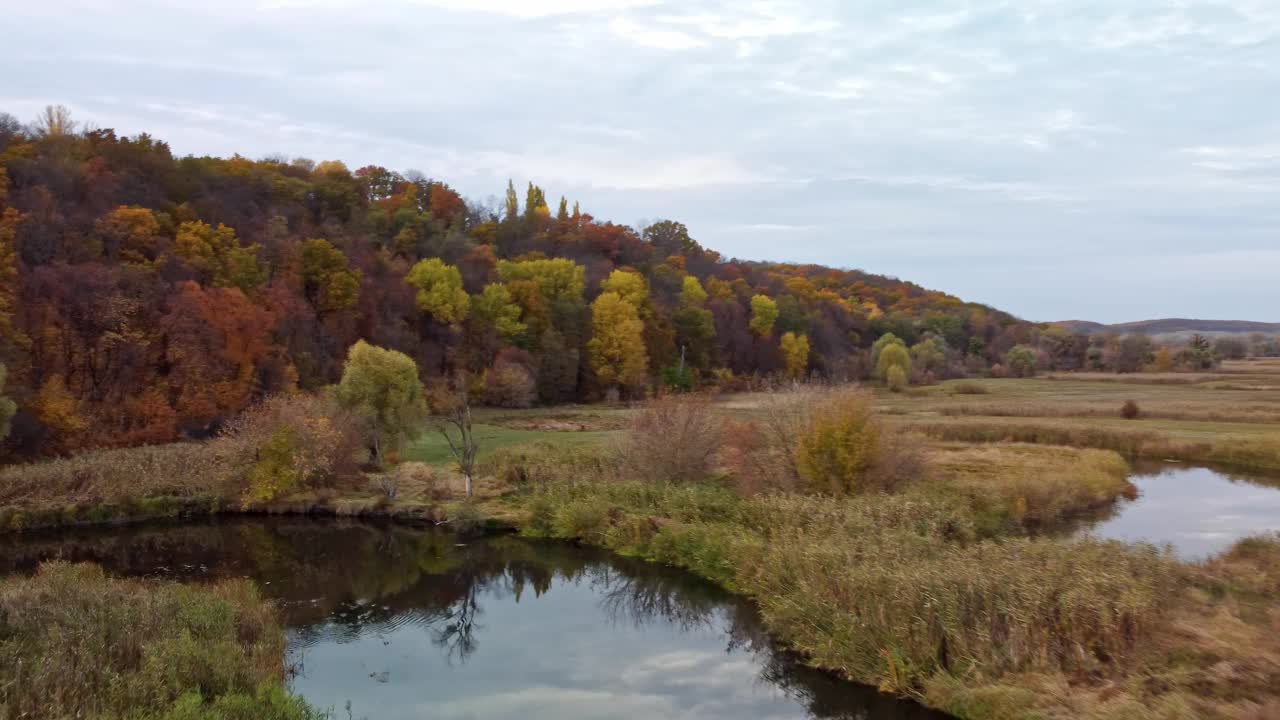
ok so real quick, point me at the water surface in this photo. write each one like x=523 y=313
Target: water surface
x=403 y=623
x=1198 y=511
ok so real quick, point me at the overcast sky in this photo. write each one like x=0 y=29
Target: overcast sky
x=1102 y=159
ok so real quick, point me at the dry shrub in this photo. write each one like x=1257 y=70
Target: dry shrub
x=1130 y=410
x=510 y=385
x=823 y=440
x=412 y=478
x=672 y=439
x=295 y=442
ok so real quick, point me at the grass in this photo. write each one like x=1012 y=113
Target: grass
x=1013 y=486
x=429 y=447
x=907 y=592
x=75 y=643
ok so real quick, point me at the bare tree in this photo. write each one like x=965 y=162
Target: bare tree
x=55 y=121
x=453 y=417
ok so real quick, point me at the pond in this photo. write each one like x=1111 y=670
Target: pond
x=1199 y=511
x=389 y=622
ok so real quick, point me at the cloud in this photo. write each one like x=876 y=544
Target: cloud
x=955 y=134
x=654 y=38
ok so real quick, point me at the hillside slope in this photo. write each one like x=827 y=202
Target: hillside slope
x=145 y=296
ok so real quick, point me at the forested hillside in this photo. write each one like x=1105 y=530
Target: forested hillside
x=146 y=297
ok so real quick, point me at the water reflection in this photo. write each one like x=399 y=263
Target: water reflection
x=1199 y=511
x=403 y=623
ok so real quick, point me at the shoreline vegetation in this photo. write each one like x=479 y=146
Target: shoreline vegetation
x=880 y=551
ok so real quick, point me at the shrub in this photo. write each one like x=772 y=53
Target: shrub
x=415 y=477
x=839 y=444
x=671 y=439
x=1130 y=410
x=294 y=442
x=510 y=385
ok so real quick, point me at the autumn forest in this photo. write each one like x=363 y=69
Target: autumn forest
x=146 y=297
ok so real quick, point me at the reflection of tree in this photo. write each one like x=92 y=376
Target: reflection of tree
x=456 y=630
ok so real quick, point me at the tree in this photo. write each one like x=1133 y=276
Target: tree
x=328 y=281
x=7 y=407
x=1021 y=361
x=795 y=354
x=219 y=256
x=764 y=312
x=630 y=286
x=381 y=388
x=893 y=355
x=880 y=344
x=616 y=349
x=453 y=416
x=513 y=202
x=9 y=219
x=55 y=121
x=929 y=355
x=694 y=325
x=493 y=308
x=129 y=233
x=440 y=292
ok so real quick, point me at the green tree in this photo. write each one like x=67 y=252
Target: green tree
x=1021 y=361
x=513 y=202
x=694 y=325
x=556 y=279
x=217 y=254
x=880 y=344
x=764 y=313
x=7 y=406
x=440 y=292
x=494 y=308
x=382 y=389
x=795 y=354
x=328 y=281
x=929 y=355
x=891 y=356
x=616 y=349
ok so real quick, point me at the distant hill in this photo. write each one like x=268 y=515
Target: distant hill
x=1173 y=326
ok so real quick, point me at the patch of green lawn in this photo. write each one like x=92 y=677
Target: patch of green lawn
x=430 y=447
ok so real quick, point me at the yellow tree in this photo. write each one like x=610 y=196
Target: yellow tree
x=795 y=354
x=440 y=292
x=616 y=349
x=630 y=286
x=764 y=312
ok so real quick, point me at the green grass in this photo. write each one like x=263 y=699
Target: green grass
x=429 y=447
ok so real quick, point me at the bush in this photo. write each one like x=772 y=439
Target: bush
x=510 y=385
x=839 y=444
x=295 y=442
x=413 y=477
x=1130 y=410
x=671 y=439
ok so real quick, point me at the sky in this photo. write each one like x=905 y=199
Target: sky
x=1109 y=160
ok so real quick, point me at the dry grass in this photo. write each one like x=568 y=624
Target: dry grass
x=1011 y=486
